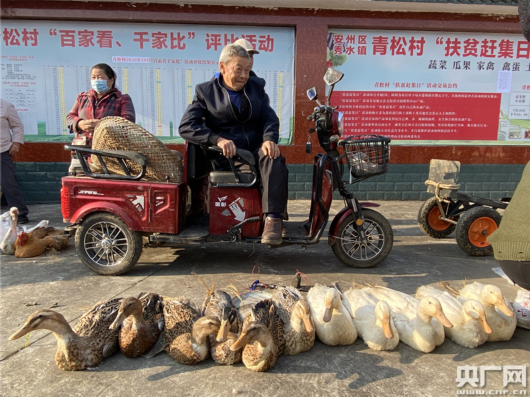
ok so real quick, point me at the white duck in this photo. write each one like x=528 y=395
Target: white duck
x=499 y=312
x=8 y=243
x=470 y=327
x=333 y=322
x=373 y=319
x=414 y=318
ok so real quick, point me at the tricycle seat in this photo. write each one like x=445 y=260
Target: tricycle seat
x=217 y=177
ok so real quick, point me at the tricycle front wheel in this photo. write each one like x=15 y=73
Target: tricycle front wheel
x=352 y=252
x=106 y=246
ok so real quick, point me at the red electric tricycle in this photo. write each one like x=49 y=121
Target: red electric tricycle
x=114 y=216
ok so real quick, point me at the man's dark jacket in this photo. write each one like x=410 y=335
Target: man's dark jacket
x=211 y=115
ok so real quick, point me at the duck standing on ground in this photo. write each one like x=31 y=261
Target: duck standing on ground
x=334 y=324
x=295 y=314
x=470 y=327
x=499 y=312
x=261 y=337
x=84 y=346
x=420 y=323
x=219 y=304
x=372 y=319
x=8 y=243
x=141 y=320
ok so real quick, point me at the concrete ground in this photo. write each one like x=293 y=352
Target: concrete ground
x=62 y=282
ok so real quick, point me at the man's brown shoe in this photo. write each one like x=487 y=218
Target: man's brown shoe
x=272 y=233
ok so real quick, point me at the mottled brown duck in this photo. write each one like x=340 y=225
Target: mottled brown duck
x=261 y=337
x=295 y=314
x=84 y=346
x=141 y=320
x=219 y=304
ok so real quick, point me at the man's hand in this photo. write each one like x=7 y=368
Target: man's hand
x=15 y=147
x=270 y=149
x=228 y=146
x=88 y=125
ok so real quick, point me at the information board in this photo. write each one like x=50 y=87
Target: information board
x=433 y=86
x=46 y=64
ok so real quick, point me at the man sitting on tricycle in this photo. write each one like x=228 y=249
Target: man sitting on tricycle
x=232 y=112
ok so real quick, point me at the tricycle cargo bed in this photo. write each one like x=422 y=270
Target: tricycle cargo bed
x=145 y=206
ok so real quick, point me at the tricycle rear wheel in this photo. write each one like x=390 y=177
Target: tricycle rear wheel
x=106 y=246
x=352 y=252
x=429 y=220
x=474 y=227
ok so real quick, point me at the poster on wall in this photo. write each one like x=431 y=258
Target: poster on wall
x=46 y=64
x=411 y=85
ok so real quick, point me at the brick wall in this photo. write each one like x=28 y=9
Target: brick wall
x=41 y=182
x=407 y=182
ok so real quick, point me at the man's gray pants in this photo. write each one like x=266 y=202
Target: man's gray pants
x=9 y=185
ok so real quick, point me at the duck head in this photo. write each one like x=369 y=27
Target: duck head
x=331 y=301
x=14 y=213
x=205 y=326
x=474 y=309
x=382 y=313
x=252 y=331
x=226 y=322
x=493 y=295
x=431 y=306
x=42 y=319
x=129 y=307
x=303 y=312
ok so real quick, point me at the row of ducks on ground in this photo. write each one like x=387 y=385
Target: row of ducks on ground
x=28 y=242
x=230 y=331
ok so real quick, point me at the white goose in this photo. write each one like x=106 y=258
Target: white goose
x=8 y=243
x=499 y=312
x=470 y=327
x=373 y=319
x=333 y=322
x=414 y=318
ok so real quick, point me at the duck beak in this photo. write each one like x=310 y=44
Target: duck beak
x=223 y=331
x=307 y=324
x=21 y=332
x=445 y=322
x=387 y=329
x=120 y=318
x=240 y=343
x=484 y=324
x=504 y=308
x=327 y=315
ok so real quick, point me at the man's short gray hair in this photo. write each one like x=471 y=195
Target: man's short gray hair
x=232 y=50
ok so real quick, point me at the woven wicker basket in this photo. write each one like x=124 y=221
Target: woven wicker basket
x=117 y=133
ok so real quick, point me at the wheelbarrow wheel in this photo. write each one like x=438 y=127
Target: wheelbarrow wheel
x=473 y=229
x=429 y=220
x=349 y=249
x=106 y=245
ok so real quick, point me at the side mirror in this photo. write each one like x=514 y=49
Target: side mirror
x=312 y=93
x=332 y=76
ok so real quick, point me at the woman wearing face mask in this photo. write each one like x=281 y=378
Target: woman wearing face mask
x=103 y=100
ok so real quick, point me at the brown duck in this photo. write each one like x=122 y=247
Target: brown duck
x=185 y=336
x=84 y=346
x=295 y=314
x=261 y=337
x=141 y=321
x=219 y=304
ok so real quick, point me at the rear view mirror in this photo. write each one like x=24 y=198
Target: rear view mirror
x=312 y=93
x=332 y=76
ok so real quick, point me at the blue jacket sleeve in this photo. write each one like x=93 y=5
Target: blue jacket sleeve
x=192 y=126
